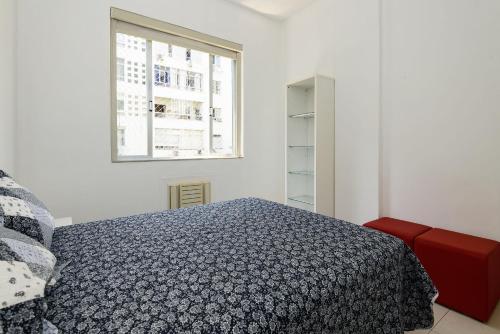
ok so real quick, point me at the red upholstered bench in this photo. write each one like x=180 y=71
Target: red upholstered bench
x=404 y=230
x=464 y=268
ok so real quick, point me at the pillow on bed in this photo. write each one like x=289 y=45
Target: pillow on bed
x=20 y=210
x=25 y=268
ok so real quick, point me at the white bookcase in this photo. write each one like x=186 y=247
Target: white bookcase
x=310 y=141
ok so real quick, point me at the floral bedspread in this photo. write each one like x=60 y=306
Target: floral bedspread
x=241 y=266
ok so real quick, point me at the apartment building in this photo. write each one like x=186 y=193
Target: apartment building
x=191 y=100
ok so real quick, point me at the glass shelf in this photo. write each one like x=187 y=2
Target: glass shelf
x=301 y=172
x=303 y=115
x=305 y=199
x=300 y=146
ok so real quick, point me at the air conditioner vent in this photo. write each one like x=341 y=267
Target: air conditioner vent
x=184 y=195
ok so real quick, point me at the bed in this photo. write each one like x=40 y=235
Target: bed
x=242 y=266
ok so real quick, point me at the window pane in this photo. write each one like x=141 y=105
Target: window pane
x=132 y=113
x=120 y=69
x=181 y=121
x=223 y=104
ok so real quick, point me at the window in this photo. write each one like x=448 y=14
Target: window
x=120 y=103
x=193 y=81
x=120 y=69
x=162 y=76
x=176 y=78
x=167 y=96
x=217 y=115
x=178 y=109
x=160 y=110
x=178 y=142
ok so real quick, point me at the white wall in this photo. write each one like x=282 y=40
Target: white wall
x=340 y=38
x=64 y=112
x=7 y=85
x=425 y=75
x=441 y=113
x=438 y=78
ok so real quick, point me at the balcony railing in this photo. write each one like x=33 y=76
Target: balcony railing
x=178 y=116
x=188 y=87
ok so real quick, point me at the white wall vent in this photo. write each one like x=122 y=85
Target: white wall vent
x=185 y=195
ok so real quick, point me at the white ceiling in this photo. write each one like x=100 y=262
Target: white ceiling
x=280 y=9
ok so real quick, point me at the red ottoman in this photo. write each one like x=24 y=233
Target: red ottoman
x=404 y=230
x=464 y=268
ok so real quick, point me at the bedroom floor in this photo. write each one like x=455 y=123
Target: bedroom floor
x=450 y=322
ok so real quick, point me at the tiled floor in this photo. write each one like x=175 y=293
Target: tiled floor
x=450 y=322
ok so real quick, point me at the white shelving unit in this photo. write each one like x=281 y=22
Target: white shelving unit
x=310 y=141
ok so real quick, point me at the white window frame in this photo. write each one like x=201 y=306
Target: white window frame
x=134 y=24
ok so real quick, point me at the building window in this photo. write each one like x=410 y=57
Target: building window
x=190 y=80
x=120 y=69
x=120 y=105
x=178 y=109
x=121 y=41
x=177 y=77
x=178 y=142
x=218 y=115
x=162 y=76
x=160 y=110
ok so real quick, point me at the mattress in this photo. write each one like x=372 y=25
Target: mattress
x=241 y=266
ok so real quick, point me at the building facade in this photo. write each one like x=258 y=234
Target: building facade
x=192 y=108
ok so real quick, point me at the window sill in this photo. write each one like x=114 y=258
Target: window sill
x=146 y=159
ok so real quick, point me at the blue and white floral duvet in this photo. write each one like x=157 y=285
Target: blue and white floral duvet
x=242 y=266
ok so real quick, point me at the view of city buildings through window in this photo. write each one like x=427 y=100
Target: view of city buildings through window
x=192 y=109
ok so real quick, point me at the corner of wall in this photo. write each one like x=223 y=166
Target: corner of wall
x=380 y=113
x=8 y=89
x=15 y=155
